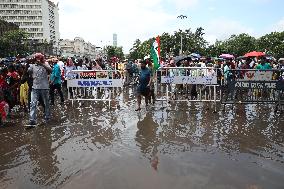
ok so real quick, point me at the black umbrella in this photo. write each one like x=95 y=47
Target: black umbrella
x=178 y=59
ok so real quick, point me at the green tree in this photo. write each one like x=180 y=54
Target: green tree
x=13 y=43
x=237 y=45
x=214 y=50
x=272 y=43
x=240 y=44
x=134 y=51
x=167 y=44
x=113 y=51
x=145 y=48
x=170 y=44
x=194 y=42
x=198 y=43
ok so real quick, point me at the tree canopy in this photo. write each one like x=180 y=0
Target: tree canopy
x=13 y=43
x=113 y=51
x=194 y=42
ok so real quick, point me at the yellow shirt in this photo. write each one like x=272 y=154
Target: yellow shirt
x=24 y=92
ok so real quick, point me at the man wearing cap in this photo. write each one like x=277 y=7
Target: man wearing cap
x=144 y=85
x=40 y=88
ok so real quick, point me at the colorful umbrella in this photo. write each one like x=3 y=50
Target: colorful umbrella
x=226 y=56
x=254 y=54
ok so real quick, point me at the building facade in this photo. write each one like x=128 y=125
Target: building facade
x=77 y=48
x=114 y=39
x=40 y=18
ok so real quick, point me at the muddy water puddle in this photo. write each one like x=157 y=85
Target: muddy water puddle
x=181 y=146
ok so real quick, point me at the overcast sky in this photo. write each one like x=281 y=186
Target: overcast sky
x=96 y=20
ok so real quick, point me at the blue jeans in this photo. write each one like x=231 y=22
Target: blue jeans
x=36 y=94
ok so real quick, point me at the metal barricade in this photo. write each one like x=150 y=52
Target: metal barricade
x=95 y=85
x=253 y=87
x=192 y=84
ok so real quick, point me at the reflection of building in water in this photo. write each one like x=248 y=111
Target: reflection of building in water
x=147 y=138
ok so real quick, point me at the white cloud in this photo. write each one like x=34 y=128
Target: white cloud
x=184 y=4
x=222 y=28
x=212 y=8
x=97 y=20
x=279 y=26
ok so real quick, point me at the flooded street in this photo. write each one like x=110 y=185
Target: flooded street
x=182 y=146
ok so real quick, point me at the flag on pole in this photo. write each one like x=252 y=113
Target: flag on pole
x=155 y=53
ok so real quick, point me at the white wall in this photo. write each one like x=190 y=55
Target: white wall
x=45 y=20
x=57 y=34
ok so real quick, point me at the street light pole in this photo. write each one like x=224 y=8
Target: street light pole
x=181 y=43
x=181 y=17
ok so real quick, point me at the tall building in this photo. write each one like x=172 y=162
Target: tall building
x=115 y=39
x=39 y=18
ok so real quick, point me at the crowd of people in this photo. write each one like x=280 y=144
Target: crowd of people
x=25 y=83
x=36 y=79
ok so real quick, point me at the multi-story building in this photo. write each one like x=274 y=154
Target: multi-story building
x=78 y=47
x=40 y=18
x=114 y=39
x=67 y=47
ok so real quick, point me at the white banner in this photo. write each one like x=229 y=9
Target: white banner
x=197 y=80
x=108 y=83
x=257 y=76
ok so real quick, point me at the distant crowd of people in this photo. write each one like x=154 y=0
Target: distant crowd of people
x=35 y=80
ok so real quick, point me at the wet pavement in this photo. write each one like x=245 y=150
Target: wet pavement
x=183 y=146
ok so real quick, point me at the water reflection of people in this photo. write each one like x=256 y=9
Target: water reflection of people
x=44 y=159
x=147 y=139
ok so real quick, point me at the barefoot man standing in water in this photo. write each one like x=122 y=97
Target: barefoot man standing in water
x=144 y=85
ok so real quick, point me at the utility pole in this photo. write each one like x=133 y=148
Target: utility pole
x=182 y=17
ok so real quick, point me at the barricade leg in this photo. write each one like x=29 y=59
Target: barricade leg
x=167 y=95
x=109 y=99
x=215 y=103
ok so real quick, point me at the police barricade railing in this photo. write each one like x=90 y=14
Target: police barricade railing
x=94 y=85
x=253 y=86
x=194 y=84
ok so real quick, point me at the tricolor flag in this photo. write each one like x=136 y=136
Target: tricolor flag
x=155 y=53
